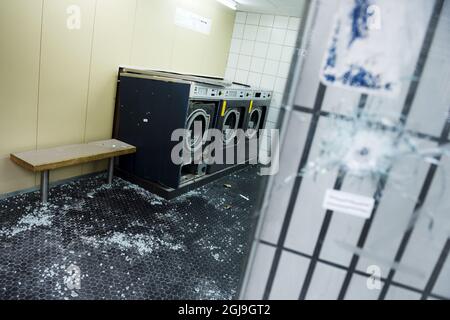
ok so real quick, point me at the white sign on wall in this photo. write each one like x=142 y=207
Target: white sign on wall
x=348 y=203
x=192 y=21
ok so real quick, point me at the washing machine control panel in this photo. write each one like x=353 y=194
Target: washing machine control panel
x=205 y=92
x=238 y=94
x=214 y=93
x=262 y=95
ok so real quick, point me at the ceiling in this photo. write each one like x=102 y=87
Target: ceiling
x=281 y=7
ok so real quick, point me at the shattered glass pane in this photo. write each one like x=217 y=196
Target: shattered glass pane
x=366 y=146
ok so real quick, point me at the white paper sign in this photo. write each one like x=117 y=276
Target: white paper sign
x=348 y=203
x=192 y=21
x=370 y=46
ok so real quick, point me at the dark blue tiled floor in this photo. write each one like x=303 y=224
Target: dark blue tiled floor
x=126 y=243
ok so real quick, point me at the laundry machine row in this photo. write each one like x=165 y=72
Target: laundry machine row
x=243 y=112
x=152 y=105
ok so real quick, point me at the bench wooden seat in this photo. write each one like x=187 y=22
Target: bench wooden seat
x=45 y=160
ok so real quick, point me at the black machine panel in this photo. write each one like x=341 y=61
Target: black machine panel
x=149 y=111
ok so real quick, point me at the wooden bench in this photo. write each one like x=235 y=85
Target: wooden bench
x=45 y=160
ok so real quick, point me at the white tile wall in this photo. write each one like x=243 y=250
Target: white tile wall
x=281 y=22
x=261 y=52
x=266 y=20
x=241 y=17
x=257 y=280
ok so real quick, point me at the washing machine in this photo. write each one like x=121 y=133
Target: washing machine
x=231 y=122
x=150 y=106
x=201 y=117
x=257 y=113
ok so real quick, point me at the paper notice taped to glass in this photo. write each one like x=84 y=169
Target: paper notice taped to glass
x=371 y=44
x=348 y=203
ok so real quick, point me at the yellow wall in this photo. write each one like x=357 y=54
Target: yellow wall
x=58 y=85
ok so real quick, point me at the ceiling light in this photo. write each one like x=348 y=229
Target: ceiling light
x=229 y=3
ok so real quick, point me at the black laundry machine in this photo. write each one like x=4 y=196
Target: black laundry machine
x=201 y=117
x=231 y=122
x=150 y=107
x=256 y=121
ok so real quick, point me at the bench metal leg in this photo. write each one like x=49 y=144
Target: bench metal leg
x=110 y=170
x=44 y=186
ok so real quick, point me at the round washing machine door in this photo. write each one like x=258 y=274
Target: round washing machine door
x=230 y=125
x=194 y=139
x=254 y=122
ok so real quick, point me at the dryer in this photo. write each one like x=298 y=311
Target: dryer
x=231 y=122
x=150 y=106
x=256 y=120
x=201 y=113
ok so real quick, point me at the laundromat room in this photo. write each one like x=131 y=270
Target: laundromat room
x=224 y=150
